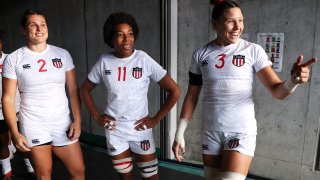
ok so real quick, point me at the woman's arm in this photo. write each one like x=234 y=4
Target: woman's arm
x=105 y=120
x=281 y=89
x=190 y=101
x=172 y=88
x=9 y=88
x=86 y=87
x=71 y=82
x=188 y=107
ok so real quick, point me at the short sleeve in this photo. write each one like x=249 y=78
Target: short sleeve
x=157 y=71
x=69 y=61
x=9 y=66
x=262 y=59
x=95 y=74
x=194 y=66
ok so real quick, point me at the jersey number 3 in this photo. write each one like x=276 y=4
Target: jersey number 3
x=42 y=64
x=221 y=60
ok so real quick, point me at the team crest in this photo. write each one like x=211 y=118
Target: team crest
x=233 y=143
x=137 y=72
x=145 y=145
x=57 y=63
x=238 y=60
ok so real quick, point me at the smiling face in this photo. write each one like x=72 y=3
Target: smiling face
x=36 y=30
x=229 y=26
x=123 y=40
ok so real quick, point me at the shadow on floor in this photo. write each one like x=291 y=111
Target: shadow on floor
x=98 y=167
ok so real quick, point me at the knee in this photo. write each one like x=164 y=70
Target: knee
x=216 y=174
x=43 y=173
x=123 y=166
x=148 y=169
x=211 y=173
x=78 y=171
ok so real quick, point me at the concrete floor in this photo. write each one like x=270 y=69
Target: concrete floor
x=99 y=167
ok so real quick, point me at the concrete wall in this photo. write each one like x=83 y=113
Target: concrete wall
x=287 y=130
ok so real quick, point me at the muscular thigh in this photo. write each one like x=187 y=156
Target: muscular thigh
x=70 y=155
x=42 y=156
x=228 y=151
x=235 y=161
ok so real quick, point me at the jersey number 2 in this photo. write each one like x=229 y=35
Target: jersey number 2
x=222 y=56
x=42 y=64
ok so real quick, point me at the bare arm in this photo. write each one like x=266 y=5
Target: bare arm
x=9 y=87
x=172 y=88
x=105 y=120
x=188 y=107
x=190 y=101
x=279 y=88
x=86 y=87
x=71 y=82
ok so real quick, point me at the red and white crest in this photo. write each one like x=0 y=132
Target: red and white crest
x=238 y=60
x=137 y=72
x=57 y=63
x=145 y=145
x=233 y=143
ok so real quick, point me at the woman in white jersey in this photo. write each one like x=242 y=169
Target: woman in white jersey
x=6 y=149
x=41 y=72
x=224 y=70
x=126 y=74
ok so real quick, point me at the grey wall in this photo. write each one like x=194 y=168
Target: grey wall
x=287 y=130
x=76 y=25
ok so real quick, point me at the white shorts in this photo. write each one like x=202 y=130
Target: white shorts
x=214 y=142
x=44 y=133
x=124 y=137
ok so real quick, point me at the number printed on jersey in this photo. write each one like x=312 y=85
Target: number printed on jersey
x=237 y=60
x=122 y=73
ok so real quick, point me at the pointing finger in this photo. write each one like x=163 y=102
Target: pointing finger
x=310 y=62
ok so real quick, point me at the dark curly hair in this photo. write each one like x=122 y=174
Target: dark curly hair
x=113 y=20
x=220 y=6
x=27 y=14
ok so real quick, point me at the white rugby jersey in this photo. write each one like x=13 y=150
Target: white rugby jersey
x=227 y=74
x=17 y=103
x=41 y=81
x=126 y=81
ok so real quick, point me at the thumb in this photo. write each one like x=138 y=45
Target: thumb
x=182 y=144
x=71 y=131
x=299 y=60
